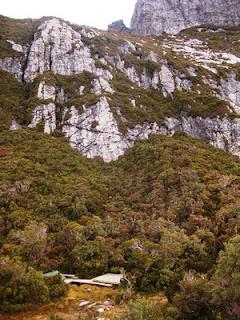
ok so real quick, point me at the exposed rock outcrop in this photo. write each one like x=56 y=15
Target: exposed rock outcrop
x=118 y=26
x=95 y=132
x=101 y=86
x=45 y=113
x=221 y=133
x=164 y=79
x=59 y=48
x=91 y=113
x=153 y=17
x=12 y=65
x=46 y=91
x=228 y=90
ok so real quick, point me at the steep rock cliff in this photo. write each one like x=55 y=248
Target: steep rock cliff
x=105 y=91
x=171 y=16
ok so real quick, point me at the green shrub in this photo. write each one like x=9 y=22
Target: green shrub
x=20 y=286
x=194 y=300
x=143 y=309
x=57 y=288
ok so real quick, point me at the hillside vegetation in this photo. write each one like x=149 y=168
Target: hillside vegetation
x=162 y=213
x=166 y=214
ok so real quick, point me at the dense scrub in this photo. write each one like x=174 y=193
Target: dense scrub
x=162 y=213
x=11 y=99
x=166 y=213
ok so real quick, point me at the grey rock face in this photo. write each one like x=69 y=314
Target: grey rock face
x=46 y=92
x=171 y=16
x=59 y=48
x=12 y=65
x=101 y=86
x=118 y=26
x=167 y=79
x=45 y=113
x=94 y=129
x=228 y=90
x=221 y=133
x=95 y=132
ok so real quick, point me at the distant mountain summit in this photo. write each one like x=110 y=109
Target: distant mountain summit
x=152 y=17
x=118 y=26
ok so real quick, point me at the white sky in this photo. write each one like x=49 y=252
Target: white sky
x=94 y=13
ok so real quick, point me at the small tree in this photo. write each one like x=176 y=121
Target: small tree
x=193 y=300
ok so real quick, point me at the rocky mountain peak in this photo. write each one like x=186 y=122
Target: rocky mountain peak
x=171 y=16
x=118 y=26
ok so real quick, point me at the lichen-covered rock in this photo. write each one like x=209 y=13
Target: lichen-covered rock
x=127 y=47
x=167 y=80
x=59 y=48
x=89 y=32
x=199 y=53
x=164 y=78
x=101 y=86
x=17 y=47
x=95 y=132
x=171 y=16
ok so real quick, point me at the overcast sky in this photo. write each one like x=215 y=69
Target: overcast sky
x=95 y=13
